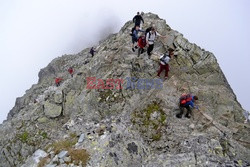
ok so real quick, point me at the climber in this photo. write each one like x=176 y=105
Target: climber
x=138 y=19
x=150 y=38
x=71 y=71
x=247 y=116
x=135 y=37
x=142 y=44
x=92 y=51
x=187 y=101
x=58 y=81
x=164 y=60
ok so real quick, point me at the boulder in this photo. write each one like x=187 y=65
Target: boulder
x=52 y=110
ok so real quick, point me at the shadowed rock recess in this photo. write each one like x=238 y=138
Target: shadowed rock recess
x=70 y=125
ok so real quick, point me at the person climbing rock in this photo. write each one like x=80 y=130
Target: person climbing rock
x=71 y=71
x=135 y=37
x=187 y=102
x=138 y=19
x=58 y=81
x=92 y=51
x=142 y=44
x=151 y=34
x=164 y=60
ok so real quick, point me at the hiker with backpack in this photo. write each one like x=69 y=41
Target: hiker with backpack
x=151 y=34
x=138 y=19
x=141 y=44
x=92 y=51
x=58 y=81
x=135 y=36
x=187 y=102
x=164 y=60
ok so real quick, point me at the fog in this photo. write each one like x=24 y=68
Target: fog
x=32 y=33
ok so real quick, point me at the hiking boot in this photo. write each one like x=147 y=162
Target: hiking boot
x=188 y=116
x=166 y=77
x=178 y=115
x=142 y=50
x=133 y=49
x=136 y=47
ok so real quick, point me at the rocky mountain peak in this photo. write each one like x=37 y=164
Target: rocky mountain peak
x=129 y=119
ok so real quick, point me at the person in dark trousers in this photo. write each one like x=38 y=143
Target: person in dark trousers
x=142 y=44
x=150 y=38
x=138 y=19
x=92 y=51
x=71 y=71
x=187 y=102
x=135 y=37
x=164 y=60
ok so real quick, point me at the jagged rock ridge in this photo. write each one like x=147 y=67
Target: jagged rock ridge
x=128 y=127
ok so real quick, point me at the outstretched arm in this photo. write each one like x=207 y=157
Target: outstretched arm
x=162 y=36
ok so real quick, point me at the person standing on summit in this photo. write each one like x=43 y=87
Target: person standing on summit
x=138 y=19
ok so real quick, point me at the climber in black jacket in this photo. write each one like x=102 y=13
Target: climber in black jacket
x=137 y=19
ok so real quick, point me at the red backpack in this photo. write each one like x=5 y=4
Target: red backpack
x=142 y=42
x=185 y=98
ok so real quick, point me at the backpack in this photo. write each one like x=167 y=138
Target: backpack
x=163 y=58
x=132 y=30
x=142 y=42
x=148 y=31
x=185 y=98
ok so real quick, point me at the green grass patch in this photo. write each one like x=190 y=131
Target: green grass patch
x=143 y=120
x=24 y=136
x=156 y=137
x=44 y=135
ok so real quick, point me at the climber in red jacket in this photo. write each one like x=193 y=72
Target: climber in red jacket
x=58 y=81
x=142 y=44
x=71 y=71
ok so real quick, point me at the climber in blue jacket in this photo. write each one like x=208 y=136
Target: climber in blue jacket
x=187 y=102
x=135 y=37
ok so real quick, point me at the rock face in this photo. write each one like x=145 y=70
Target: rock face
x=52 y=110
x=134 y=125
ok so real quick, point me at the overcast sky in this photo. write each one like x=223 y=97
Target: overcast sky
x=33 y=32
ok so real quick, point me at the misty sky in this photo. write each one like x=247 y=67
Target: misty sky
x=32 y=33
